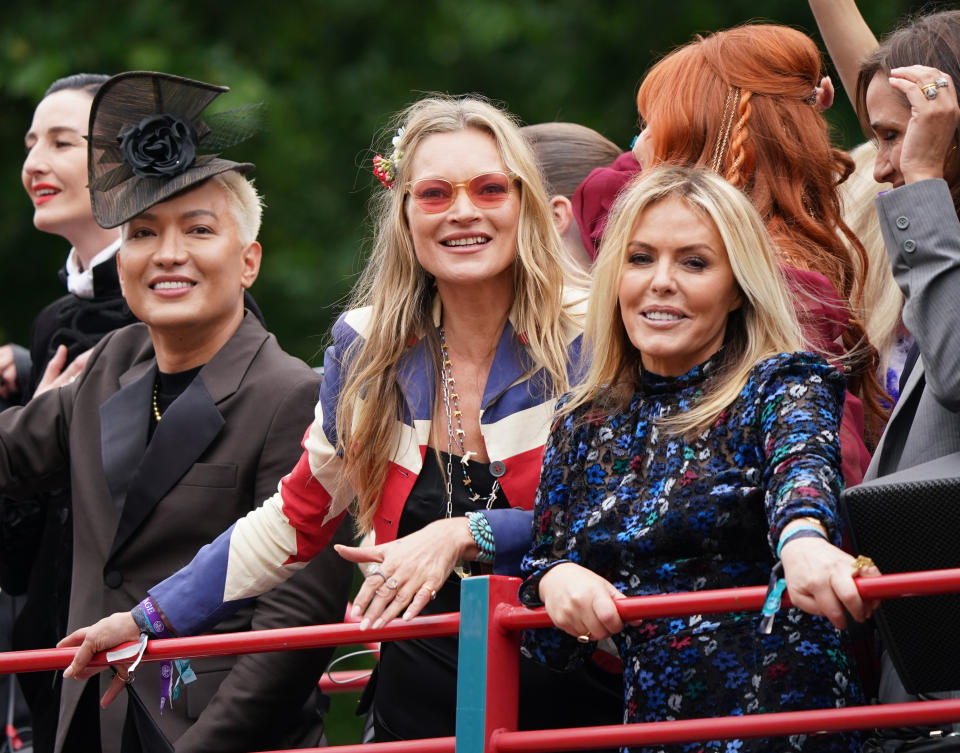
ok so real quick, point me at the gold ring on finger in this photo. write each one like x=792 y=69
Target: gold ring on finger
x=930 y=91
x=861 y=563
x=584 y=638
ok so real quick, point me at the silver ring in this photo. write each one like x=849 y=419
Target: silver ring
x=375 y=570
x=393 y=584
x=942 y=82
x=930 y=90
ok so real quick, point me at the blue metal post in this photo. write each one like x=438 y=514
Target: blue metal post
x=487 y=682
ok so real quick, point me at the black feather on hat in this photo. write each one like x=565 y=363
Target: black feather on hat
x=147 y=141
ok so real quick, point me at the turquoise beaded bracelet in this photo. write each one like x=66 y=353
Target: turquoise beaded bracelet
x=483 y=536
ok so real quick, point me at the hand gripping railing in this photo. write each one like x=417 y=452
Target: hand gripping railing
x=489 y=729
x=487 y=696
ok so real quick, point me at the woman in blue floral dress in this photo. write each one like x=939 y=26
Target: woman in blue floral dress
x=701 y=446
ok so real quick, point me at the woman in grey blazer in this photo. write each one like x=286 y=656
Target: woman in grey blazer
x=906 y=97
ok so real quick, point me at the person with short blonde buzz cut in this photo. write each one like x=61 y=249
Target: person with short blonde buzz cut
x=176 y=427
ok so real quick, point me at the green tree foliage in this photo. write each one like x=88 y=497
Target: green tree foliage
x=331 y=73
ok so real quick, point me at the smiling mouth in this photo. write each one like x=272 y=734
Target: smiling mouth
x=174 y=285
x=43 y=195
x=662 y=316
x=475 y=240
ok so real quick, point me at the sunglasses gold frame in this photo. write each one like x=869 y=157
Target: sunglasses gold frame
x=511 y=177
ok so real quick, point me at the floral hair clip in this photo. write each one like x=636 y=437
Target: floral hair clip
x=385 y=168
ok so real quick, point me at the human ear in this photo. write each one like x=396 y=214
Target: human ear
x=251 y=258
x=737 y=301
x=561 y=212
x=123 y=287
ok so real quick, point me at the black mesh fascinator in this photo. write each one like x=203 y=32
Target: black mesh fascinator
x=148 y=141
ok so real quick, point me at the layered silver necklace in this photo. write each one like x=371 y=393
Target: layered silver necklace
x=451 y=402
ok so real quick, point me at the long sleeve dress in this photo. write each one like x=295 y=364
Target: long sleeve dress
x=655 y=513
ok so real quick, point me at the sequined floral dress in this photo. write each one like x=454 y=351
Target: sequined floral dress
x=654 y=513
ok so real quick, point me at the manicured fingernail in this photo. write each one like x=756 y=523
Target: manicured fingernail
x=364 y=623
x=378 y=624
x=355 y=613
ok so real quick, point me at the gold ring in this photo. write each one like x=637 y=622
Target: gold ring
x=585 y=638
x=861 y=563
x=930 y=91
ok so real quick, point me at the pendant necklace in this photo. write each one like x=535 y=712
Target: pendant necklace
x=451 y=402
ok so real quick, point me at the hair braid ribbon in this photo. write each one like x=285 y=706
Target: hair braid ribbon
x=730 y=107
x=742 y=159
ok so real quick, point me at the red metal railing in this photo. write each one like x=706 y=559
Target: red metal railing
x=252 y=642
x=499 y=625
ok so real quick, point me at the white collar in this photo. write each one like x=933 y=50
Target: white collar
x=80 y=283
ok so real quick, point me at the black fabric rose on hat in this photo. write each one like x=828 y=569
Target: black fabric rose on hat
x=150 y=139
x=159 y=146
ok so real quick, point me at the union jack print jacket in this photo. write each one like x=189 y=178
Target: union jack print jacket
x=272 y=542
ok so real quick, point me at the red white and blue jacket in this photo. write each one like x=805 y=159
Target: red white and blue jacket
x=278 y=538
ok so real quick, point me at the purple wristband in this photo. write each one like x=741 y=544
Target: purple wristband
x=159 y=629
x=152 y=612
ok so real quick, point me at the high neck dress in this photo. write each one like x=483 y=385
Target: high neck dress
x=653 y=512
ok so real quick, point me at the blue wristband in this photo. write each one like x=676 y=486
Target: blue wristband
x=801 y=532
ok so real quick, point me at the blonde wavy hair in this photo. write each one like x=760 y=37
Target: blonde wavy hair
x=763 y=326
x=881 y=299
x=400 y=293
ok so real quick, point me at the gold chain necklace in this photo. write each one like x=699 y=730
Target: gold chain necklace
x=156 y=406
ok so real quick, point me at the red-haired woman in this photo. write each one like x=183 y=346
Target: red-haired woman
x=744 y=102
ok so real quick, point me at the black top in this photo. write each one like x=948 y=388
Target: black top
x=416 y=684
x=170 y=386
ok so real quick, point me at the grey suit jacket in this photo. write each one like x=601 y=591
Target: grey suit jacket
x=921 y=232
x=142 y=510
